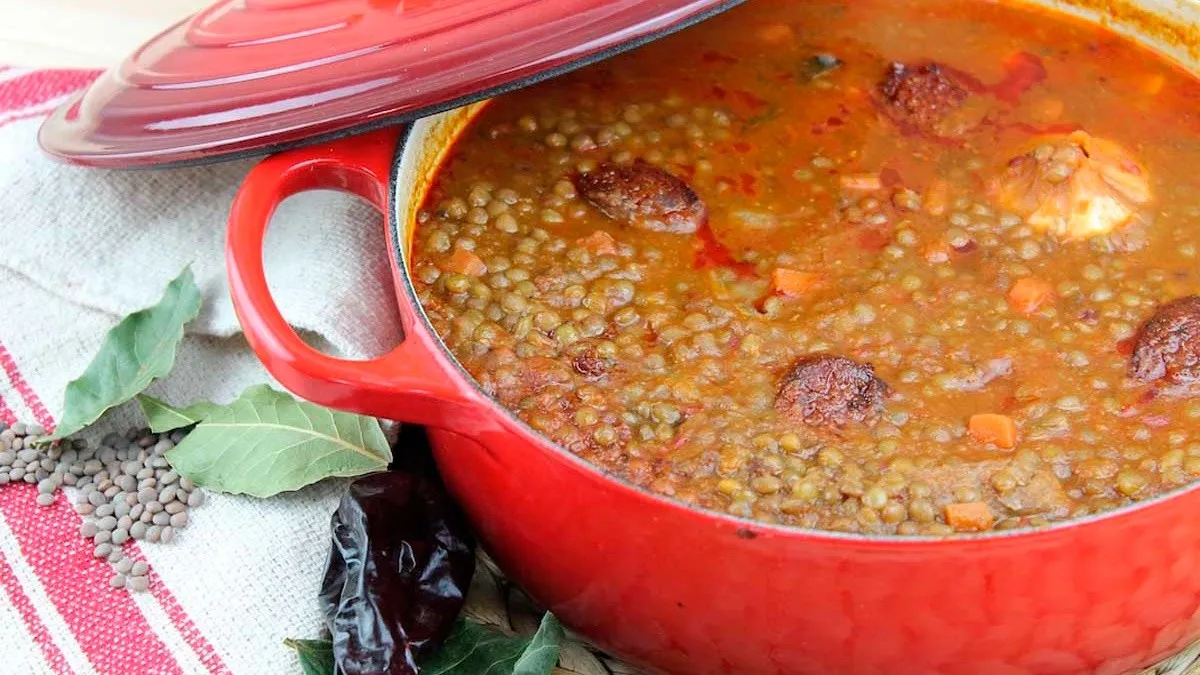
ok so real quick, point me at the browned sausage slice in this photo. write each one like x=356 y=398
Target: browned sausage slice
x=643 y=196
x=831 y=391
x=921 y=96
x=1167 y=346
x=589 y=364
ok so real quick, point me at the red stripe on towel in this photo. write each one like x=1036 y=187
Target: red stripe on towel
x=183 y=623
x=17 y=599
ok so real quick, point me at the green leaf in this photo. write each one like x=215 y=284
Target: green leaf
x=265 y=393
x=267 y=442
x=473 y=649
x=819 y=66
x=316 y=656
x=161 y=417
x=136 y=351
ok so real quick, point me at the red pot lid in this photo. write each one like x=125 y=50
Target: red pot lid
x=255 y=76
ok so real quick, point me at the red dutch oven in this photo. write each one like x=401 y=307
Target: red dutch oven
x=673 y=588
x=693 y=592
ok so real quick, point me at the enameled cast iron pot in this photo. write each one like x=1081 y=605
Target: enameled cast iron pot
x=693 y=592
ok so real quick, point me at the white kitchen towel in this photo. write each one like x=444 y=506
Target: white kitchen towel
x=80 y=248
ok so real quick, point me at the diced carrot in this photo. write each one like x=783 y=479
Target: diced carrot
x=776 y=34
x=937 y=197
x=861 y=181
x=463 y=261
x=793 y=283
x=1153 y=84
x=969 y=516
x=599 y=243
x=994 y=428
x=1028 y=295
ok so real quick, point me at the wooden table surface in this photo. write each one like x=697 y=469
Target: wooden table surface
x=82 y=33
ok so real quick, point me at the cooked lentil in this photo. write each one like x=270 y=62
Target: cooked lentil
x=973 y=209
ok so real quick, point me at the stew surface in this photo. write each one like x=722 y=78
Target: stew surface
x=868 y=266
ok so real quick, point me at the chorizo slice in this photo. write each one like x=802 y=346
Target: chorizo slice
x=921 y=96
x=1167 y=346
x=828 y=391
x=590 y=364
x=643 y=196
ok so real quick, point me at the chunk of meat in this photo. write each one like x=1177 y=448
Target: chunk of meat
x=1039 y=493
x=1018 y=489
x=831 y=391
x=1167 y=346
x=539 y=372
x=599 y=243
x=921 y=96
x=975 y=377
x=1075 y=186
x=643 y=196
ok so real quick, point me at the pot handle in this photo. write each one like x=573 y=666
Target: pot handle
x=410 y=383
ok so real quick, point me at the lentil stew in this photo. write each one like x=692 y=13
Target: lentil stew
x=889 y=268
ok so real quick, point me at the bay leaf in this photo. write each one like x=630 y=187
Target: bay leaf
x=138 y=350
x=161 y=417
x=267 y=442
x=265 y=393
x=818 y=66
x=316 y=656
x=473 y=649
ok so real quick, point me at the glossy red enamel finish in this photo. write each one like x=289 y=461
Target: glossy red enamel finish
x=407 y=379
x=249 y=76
x=695 y=593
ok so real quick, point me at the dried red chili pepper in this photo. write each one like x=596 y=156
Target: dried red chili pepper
x=398 y=572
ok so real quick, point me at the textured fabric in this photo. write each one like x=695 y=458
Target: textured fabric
x=83 y=247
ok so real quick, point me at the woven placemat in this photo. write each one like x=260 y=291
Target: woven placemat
x=497 y=602
x=1186 y=662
